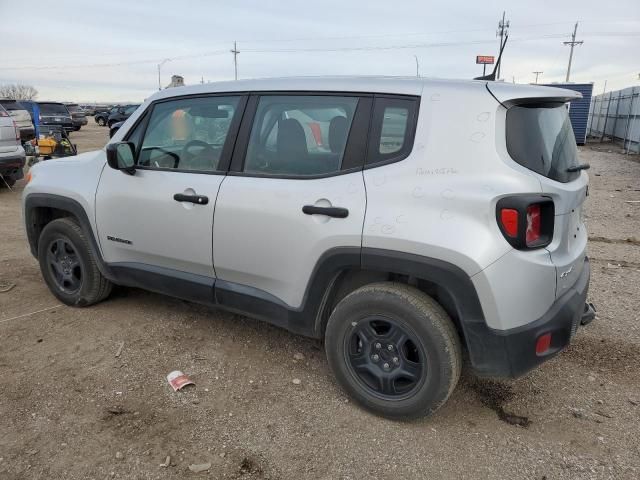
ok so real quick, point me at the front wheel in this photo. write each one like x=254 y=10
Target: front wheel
x=68 y=264
x=394 y=350
x=101 y=122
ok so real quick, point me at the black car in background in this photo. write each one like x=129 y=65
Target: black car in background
x=50 y=113
x=121 y=114
x=78 y=116
x=101 y=114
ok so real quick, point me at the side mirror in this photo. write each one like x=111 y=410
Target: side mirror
x=121 y=156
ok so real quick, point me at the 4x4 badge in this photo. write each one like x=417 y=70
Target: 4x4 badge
x=120 y=240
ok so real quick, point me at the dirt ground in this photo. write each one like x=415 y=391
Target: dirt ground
x=71 y=408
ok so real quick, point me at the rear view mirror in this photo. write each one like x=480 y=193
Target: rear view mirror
x=121 y=156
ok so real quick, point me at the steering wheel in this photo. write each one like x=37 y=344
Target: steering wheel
x=187 y=155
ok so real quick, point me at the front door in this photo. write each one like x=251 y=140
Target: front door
x=297 y=193
x=160 y=219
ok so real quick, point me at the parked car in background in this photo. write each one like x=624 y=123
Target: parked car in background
x=78 y=116
x=21 y=116
x=88 y=109
x=12 y=157
x=102 y=114
x=49 y=113
x=121 y=114
x=114 y=128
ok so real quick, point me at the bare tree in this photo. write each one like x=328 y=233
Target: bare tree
x=18 y=91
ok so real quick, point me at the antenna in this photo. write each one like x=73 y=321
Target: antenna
x=492 y=75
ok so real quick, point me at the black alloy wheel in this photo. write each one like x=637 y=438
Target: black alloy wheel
x=386 y=357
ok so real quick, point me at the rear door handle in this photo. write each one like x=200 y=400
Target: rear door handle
x=336 y=212
x=197 y=199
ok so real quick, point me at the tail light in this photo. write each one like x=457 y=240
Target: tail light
x=3 y=113
x=15 y=127
x=526 y=221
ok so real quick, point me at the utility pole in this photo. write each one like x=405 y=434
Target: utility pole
x=417 y=66
x=536 y=74
x=573 y=43
x=503 y=29
x=235 y=52
x=159 y=67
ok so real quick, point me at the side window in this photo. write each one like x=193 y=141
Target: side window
x=187 y=134
x=299 y=135
x=393 y=129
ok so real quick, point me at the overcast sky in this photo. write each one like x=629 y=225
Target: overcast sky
x=103 y=51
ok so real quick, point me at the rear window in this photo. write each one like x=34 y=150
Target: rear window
x=53 y=109
x=541 y=139
x=11 y=105
x=74 y=108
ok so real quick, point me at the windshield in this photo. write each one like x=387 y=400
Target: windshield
x=53 y=109
x=541 y=139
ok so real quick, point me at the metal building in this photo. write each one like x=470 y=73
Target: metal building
x=578 y=109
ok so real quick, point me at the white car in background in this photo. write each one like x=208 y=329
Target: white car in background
x=12 y=157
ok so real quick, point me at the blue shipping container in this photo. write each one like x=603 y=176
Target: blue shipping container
x=578 y=109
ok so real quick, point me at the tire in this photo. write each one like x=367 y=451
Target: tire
x=101 y=121
x=76 y=129
x=430 y=353
x=83 y=284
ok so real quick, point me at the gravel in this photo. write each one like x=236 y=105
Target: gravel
x=577 y=416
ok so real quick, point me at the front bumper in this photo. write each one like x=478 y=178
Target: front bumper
x=512 y=353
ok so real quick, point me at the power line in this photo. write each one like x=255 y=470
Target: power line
x=536 y=74
x=235 y=52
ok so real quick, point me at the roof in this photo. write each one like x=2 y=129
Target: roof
x=370 y=84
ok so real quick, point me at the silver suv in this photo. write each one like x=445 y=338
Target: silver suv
x=401 y=220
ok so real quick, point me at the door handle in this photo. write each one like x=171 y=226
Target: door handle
x=197 y=199
x=336 y=212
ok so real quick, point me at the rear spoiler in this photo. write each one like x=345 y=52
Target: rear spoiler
x=509 y=94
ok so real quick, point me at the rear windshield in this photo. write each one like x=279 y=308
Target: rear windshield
x=74 y=108
x=10 y=105
x=541 y=139
x=53 y=109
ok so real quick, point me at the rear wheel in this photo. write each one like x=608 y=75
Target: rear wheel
x=394 y=350
x=68 y=264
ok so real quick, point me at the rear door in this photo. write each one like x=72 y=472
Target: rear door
x=295 y=192
x=161 y=217
x=540 y=137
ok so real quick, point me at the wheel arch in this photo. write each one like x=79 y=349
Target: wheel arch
x=42 y=208
x=448 y=284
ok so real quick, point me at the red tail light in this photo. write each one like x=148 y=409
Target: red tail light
x=526 y=221
x=509 y=219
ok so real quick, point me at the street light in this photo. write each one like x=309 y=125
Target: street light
x=159 y=66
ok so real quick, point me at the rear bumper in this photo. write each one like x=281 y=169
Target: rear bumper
x=512 y=353
x=27 y=133
x=79 y=122
x=12 y=165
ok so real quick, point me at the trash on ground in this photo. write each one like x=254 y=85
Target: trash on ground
x=298 y=356
x=297 y=381
x=6 y=286
x=200 y=467
x=178 y=380
x=120 y=347
x=167 y=462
